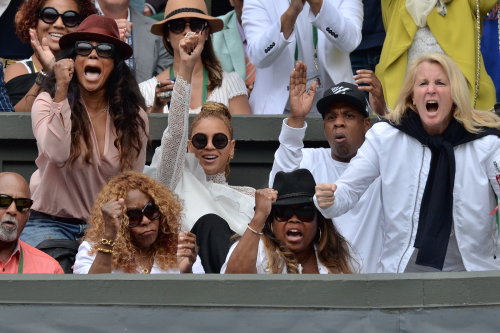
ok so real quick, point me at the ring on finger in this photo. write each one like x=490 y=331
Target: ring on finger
x=165 y=94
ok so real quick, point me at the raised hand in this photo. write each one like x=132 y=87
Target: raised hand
x=264 y=199
x=373 y=87
x=42 y=51
x=125 y=28
x=163 y=94
x=325 y=195
x=63 y=70
x=186 y=251
x=301 y=98
x=190 y=48
x=112 y=213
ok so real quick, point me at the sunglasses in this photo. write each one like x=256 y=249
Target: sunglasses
x=70 y=18
x=135 y=216
x=104 y=50
x=22 y=204
x=304 y=212
x=177 y=26
x=200 y=140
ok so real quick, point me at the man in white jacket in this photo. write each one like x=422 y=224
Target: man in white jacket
x=320 y=33
x=345 y=122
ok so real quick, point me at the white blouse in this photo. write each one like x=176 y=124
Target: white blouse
x=181 y=172
x=232 y=86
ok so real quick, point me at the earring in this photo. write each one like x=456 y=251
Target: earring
x=319 y=238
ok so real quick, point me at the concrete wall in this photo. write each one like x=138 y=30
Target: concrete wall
x=257 y=140
x=434 y=302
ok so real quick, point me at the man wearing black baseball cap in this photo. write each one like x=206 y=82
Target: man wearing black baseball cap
x=345 y=122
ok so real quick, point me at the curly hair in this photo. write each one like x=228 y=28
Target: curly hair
x=27 y=15
x=218 y=111
x=463 y=112
x=125 y=103
x=208 y=58
x=163 y=252
x=332 y=249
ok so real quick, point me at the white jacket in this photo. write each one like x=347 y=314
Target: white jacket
x=403 y=165
x=339 y=33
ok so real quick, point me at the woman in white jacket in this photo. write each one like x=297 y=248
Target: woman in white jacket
x=439 y=164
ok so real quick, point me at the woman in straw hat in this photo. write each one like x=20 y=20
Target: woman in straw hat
x=196 y=169
x=210 y=82
x=89 y=125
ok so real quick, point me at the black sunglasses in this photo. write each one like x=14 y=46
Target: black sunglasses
x=135 y=216
x=304 y=212
x=22 y=204
x=219 y=140
x=104 y=50
x=70 y=18
x=177 y=26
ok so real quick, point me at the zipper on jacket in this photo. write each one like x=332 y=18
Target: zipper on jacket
x=414 y=208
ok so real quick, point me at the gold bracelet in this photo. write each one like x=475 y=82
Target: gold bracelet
x=100 y=249
x=253 y=230
x=109 y=242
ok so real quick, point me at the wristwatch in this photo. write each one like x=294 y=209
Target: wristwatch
x=40 y=78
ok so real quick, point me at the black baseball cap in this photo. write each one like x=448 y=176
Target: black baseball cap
x=343 y=92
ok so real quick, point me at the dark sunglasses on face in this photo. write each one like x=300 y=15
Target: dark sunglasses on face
x=104 y=50
x=177 y=26
x=219 y=140
x=70 y=18
x=135 y=216
x=22 y=204
x=304 y=212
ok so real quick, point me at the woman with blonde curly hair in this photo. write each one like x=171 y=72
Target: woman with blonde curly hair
x=288 y=235
x=134 y=228
x=439 y=164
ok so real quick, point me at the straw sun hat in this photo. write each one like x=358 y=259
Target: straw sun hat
x=176 y=9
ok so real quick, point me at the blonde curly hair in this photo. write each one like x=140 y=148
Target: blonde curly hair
x=164 y=250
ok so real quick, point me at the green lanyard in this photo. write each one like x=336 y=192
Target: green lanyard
x=205 y=83
x=21 y=261
x=315 y=45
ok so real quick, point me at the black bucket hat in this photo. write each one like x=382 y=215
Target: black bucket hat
x=296 y=187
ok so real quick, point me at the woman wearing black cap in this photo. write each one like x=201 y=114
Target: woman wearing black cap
x=89 y=125
x=288 y=234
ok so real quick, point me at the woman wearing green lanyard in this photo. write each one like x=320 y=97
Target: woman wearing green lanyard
x=196 y=169
x=210 y=82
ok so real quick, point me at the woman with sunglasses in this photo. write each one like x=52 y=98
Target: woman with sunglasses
x=196 y=169
x=288 y=234
x=210 y=82
x=89 y=123
x=41 y=23
x=133 y=228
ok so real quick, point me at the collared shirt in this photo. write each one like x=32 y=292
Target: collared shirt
x=5 y=104
x=34 y=261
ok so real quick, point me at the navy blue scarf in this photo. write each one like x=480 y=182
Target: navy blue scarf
x=436 y=210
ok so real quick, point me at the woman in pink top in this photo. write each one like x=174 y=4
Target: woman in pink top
x=89 y=123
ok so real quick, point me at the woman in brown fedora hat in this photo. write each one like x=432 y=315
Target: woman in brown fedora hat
x=288 y=234
x=90 y=125
x=41 y=23
x=210 y=82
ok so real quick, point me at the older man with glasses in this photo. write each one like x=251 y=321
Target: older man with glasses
x=15 y=255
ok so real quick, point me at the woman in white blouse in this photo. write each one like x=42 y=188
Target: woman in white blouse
x=196 y=169
x=209 y=81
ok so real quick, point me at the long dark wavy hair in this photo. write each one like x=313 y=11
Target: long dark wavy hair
x=332 y=249
x=125 y=102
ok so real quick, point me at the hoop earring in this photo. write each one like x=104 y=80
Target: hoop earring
x=319 y=238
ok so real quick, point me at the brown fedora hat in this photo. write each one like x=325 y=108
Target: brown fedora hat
x=97 y=28
x=176 y=9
